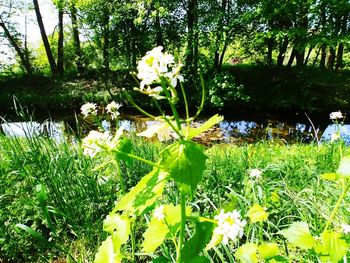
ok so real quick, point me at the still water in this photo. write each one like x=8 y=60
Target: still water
x=228 y=131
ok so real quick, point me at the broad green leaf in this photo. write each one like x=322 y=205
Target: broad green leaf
x=144 y=194
x=344 y=167
x=247 y=253
x=164 y=224
x=333 y=247
x=257 y=214
x=330 y=176
x=106 y=253
x=195 y=245
x=299 y=235
x=193 y=132
x=268 y=250
x=118 y=226
x=185 y=163
x=156 y=233
x=124 y=146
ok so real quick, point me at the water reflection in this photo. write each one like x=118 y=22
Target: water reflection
x=226 y=132
x=52 y=129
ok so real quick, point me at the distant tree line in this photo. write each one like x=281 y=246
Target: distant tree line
x=107 y=35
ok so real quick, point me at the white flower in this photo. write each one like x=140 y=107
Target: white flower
x=88 y=109
x=112 y=108
x=230 y=226
x=92 y=144
x=345 y=228
x=155 y=65
x=335 y=115
x=159 y=212
x=255 y=174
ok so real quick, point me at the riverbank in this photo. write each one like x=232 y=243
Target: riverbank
x=240 y=89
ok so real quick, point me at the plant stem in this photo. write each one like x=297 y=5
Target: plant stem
x=337 y=205
x=138 y=107
x=132 y=236
x=201 y=106
x=137 y=158
x=182 y=226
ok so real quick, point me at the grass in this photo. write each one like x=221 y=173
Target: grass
x=53 y=188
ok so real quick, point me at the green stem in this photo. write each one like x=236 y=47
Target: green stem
x=337 y=205
x=132 y=236
x=182 y=226
x=138 y=107
x=201 y=106
x=137 y=158
x=185 y=100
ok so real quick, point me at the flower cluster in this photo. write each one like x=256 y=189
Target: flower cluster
x=230 y=225
x=346 y=229
x=112 y=108
x=335 y=115
x=154 y=66
x=159 y=213
x=255 y=174
x=88 y=109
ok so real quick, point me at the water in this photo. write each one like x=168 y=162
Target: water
x=228 y=131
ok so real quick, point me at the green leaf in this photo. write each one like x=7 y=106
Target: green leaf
x=107 y=253
x=268 y=250
x=299 y=235
x=165 y=223
x=330 y=176
x=144 y=194
x=193 y=132
x=185 y=163
x=257 y=214
x=118 y=226
x=344 y=167
x=333 y=247
x=247 y=253
x=33 y=233
x=195 y=245
x=124 y=146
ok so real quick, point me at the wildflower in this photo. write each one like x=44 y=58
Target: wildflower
x=255 y=174
x=159 y=213
x=335 y=115
x=93 y=142
x=230 y=226
x=88 y=109
x=154 y=66
x=112 y=108
x=345 y=228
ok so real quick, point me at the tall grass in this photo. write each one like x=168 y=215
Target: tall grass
x=53 y=188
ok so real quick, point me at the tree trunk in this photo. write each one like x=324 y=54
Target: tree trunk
x=291 y=58
x=269 y=51
x=24 y=59
x=282 y=50
x=192 y=35
x=60 y=55
x=159 y=31
x=339 y=63
x=77 y=47
x=105 y=36
x=331 y=58
x=308 y=55
x=316 y=58
x=323 y=56
x=48 y=50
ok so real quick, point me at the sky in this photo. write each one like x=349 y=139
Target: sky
x=50 y=20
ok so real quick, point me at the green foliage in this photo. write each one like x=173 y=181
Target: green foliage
x=299 y=235
x=185 y=163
